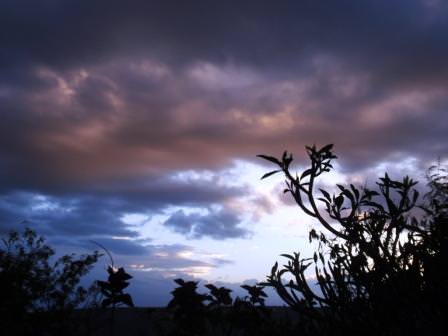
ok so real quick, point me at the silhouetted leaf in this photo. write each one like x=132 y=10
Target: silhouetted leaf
x=211 y=287
x=270 y=158
x=338 y=201
x=415 y=196
x=126 y=299
x=306 y=173
x=324 y=200
x=326 y=194
x=326 y=148
x=270 y=173
x=180 y=282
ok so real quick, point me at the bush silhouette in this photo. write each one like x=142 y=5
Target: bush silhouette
x=382 y=270
x=192 y=315
x=112 y=289
x=37 y=295
x=219 y=296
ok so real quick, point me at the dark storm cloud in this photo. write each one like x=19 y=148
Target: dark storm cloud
x=221 y=224
x=71 y=133
x=102 y=101
x=67 y=216
x=70 y=33
x=395 y=45
x=123 y=247
x=99 y=212
x=110 y=107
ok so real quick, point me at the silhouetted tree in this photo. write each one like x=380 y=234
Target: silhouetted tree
x=382 y=270
x=37 y=295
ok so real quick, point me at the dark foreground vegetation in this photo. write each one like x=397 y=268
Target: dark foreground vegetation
x=380 y=268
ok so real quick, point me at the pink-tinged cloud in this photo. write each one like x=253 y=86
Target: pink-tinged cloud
x=98 y=125
x=112 y=108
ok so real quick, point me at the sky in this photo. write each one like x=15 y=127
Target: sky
x=136 y=124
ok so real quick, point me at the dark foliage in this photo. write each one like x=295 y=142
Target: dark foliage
x=383 y=270
x=38 y=296
x=186 y=300
x=256 y=294
x=219 y=296
x=112 y=289
x=189 y=308
x=249 y=314
x=217 y=314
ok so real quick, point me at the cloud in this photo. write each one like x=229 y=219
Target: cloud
x=149 y=257
x=113 y=108
x=268 y=35
x=100 y=210
x=220 y=224
x=121 y=124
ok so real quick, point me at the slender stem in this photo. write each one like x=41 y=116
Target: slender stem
x=317 y=213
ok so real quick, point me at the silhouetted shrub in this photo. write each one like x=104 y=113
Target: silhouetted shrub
x=249 y=314
x=37 y=296
x=256 y=294
x=189 y=309
x=112 y=289
x=382 y=271
x=222 y=315
x=219 y=296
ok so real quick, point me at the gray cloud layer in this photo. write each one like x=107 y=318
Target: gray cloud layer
x=103 y=101
x=216 y=224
